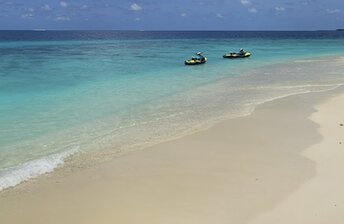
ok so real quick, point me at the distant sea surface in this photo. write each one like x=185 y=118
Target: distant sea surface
x=69 y=92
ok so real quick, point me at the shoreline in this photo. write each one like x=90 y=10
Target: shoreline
x=74 y=159
x=112 y=146
x=182 y=180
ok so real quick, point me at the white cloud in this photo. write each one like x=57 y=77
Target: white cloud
x=63 y=4
x=46 y=7
x=252 y=10
x=250 y=6
x=183 y=14
x=135 y=7
x=84 y=7
x=137 y=19
x=308 y=2
x=332 y=11
x=220 y=16
x=245 y=2
x=27 y=15
x=280 y=9
x=62 y=18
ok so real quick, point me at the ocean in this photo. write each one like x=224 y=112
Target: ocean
x=64 y=93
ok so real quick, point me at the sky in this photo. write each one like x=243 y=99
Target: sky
x=172 y=14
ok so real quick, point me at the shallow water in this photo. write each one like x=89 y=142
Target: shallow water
x=64 y=92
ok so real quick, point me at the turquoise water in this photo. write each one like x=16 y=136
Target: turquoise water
x=63 y=96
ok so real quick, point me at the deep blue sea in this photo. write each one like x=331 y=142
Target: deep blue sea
x=70 y=92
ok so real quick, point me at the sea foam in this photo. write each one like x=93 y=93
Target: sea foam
x=13 y=176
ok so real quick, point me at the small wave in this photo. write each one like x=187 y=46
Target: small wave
x=340 y=59
x=13 y=176
x=310 y=60
x=330 y=86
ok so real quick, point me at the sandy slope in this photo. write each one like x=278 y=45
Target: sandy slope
x=321 y=199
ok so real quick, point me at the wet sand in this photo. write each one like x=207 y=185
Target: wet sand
x=281 y=164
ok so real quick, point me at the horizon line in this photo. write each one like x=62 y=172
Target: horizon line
x=143 y=30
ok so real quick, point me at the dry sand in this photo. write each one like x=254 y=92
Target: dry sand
x=319 y=200
x=274 y=166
